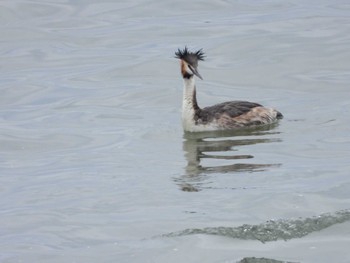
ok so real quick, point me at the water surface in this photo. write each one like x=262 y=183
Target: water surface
x=95 y=166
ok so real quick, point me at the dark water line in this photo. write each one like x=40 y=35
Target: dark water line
x=272 y=230
x=262 y=260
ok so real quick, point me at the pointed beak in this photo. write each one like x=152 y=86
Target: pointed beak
x=195 y=72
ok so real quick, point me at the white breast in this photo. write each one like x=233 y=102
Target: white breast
x=190 y=125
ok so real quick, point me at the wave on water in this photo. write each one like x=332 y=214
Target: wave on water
x=261 y=260
x=272 y=230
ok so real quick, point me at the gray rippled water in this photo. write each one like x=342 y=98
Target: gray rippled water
x=273 y=230
x=94 y=164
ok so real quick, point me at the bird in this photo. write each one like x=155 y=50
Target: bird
x=230 y=115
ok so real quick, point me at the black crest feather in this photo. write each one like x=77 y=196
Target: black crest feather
x=189 y=56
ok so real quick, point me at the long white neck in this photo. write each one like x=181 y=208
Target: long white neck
x=189 y=103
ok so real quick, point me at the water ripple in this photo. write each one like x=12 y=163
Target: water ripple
x=272 y=230
x=220 y=148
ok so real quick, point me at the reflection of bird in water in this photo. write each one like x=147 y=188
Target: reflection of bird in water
x=200 y=146
x=229 y=115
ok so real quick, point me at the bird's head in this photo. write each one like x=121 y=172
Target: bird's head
x=189 y=62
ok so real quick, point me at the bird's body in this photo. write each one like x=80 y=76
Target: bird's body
x=229 y=115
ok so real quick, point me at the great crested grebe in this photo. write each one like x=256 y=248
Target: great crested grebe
x=229 y=115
